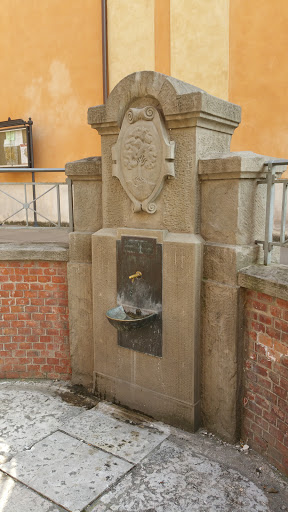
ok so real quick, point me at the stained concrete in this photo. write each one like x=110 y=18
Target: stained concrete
x=79 y=466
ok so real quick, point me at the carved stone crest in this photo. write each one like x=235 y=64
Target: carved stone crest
x=142 y=157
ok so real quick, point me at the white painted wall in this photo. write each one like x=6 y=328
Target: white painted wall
x=46 y=205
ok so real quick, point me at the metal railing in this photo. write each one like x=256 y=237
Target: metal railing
x=271 y=180
x=31 y=205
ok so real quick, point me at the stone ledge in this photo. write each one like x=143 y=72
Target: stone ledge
x=242 y=164
x=40 y=252
x=86 y=168
x=271 y=280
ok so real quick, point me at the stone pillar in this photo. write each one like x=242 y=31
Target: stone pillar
x=87 y=202
x=195 y=123
x=232 y=218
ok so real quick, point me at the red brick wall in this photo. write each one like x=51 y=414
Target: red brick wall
x=34 y=340
x=265 y=419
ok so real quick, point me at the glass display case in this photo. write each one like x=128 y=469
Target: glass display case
x=16 y=146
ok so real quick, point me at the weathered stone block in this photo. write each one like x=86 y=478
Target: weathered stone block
x=80 y=248
x=221 y=359
x=86 y=176
x=233 y=202
x=222 y=262
x=81 y=322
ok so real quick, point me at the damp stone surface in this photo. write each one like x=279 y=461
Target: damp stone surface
x=105 y=427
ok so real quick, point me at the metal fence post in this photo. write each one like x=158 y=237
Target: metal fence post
x=283 y=214
x=34 y=199
x=70 y=204
x=58 y=205
x=269 y=214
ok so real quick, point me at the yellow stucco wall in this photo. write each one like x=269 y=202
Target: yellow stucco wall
x=52 y=60
x=52 y=64
x=200 y=43
x=162 y=36
x=130 y=38
x=259 y=75
x=198 y=40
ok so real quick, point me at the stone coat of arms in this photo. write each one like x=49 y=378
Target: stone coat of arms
x=143 y=156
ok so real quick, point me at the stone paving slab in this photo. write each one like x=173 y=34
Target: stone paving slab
x=15 y=497
x=183 y=472
x=106 y=428
x=66 y=470
x=175 y=479
x=27 y=414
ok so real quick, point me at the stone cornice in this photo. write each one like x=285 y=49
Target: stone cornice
x=86 y=169
x=271 y=280
x=243 y=164
x=182 y=105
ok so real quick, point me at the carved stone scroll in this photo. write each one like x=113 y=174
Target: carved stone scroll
x=143 y=156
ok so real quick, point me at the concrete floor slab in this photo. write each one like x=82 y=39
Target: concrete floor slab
x=29 y=413
x=15 y=497
x=117 y=433
x=66 y=470
x=175 y=479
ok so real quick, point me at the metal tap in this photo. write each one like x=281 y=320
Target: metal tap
x=137 y=274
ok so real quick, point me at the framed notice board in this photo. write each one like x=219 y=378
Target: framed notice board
x=16 y=145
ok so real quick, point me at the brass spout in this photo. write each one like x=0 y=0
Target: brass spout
x=137 y=274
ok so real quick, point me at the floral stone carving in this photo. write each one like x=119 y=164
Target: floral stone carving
x=142 y=157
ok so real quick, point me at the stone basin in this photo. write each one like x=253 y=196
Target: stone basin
x=130 y=318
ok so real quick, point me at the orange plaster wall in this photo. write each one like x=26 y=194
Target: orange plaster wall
x=258 y=78
x=162 y=36
x=51 y=59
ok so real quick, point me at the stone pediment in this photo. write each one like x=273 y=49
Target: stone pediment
x=181 y=103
